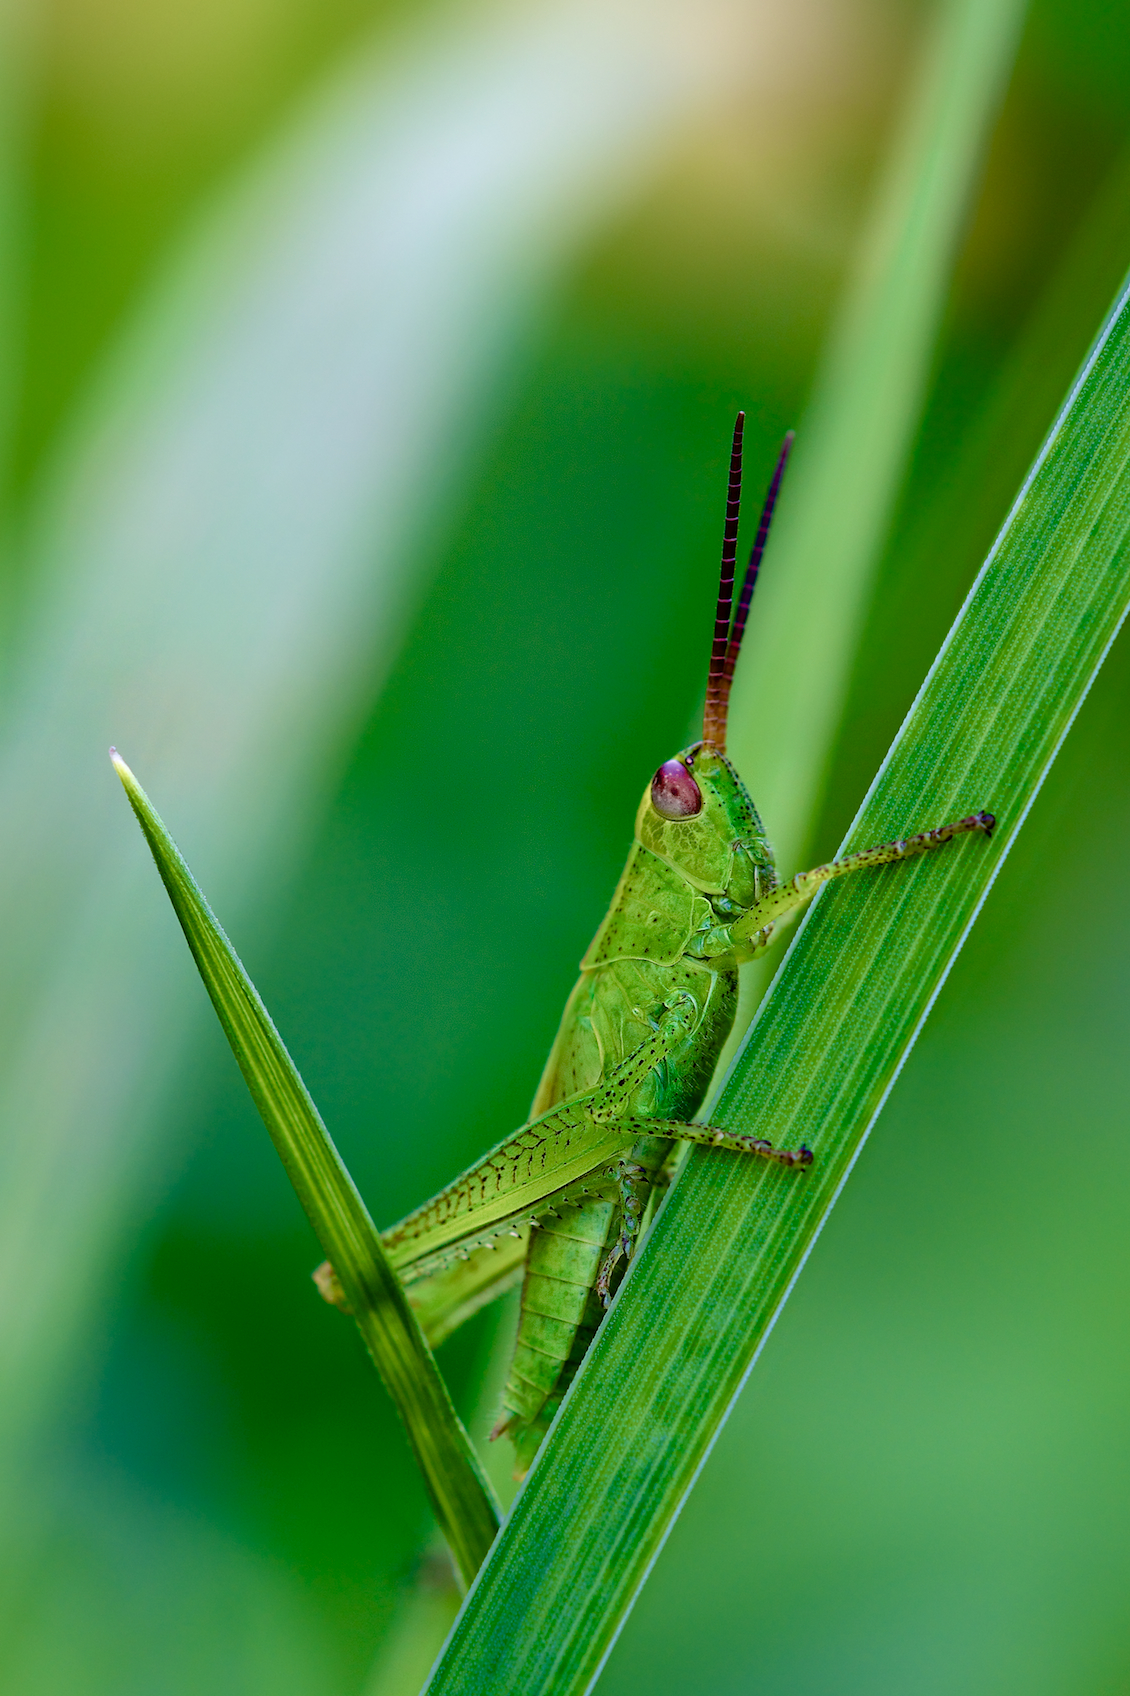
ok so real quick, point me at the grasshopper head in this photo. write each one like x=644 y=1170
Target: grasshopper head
x=697 y=814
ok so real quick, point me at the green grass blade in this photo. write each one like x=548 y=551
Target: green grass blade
x=462 y=1498
x=839 y=1021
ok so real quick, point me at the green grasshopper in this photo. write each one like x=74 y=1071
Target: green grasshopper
x=562 y=1201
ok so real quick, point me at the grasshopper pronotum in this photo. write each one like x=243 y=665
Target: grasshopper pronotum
x=560 y=1203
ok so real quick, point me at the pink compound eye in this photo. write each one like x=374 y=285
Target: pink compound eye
x=674 y=792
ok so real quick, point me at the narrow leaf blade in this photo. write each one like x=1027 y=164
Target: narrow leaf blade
x=840 y=1019
x=461 y=1496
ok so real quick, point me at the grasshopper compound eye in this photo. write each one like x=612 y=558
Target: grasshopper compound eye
x=674 y=792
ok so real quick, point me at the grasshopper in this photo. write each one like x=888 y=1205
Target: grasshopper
x=562 y=1201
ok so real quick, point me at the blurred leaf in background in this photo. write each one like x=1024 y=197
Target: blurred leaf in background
x=218 y=567
x=223 y=1500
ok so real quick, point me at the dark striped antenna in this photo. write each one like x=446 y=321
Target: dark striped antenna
x=727 y=640
x=714 y=719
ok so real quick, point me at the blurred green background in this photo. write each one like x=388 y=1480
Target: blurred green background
x=926 y=1484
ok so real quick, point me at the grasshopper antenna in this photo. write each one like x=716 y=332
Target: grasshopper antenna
x=718 y=691
x=714 y=718
x=754 y=566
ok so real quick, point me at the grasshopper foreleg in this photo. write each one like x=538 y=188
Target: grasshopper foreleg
x=750 y=935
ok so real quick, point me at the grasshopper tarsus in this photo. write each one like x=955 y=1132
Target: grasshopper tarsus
x=800 y=1158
